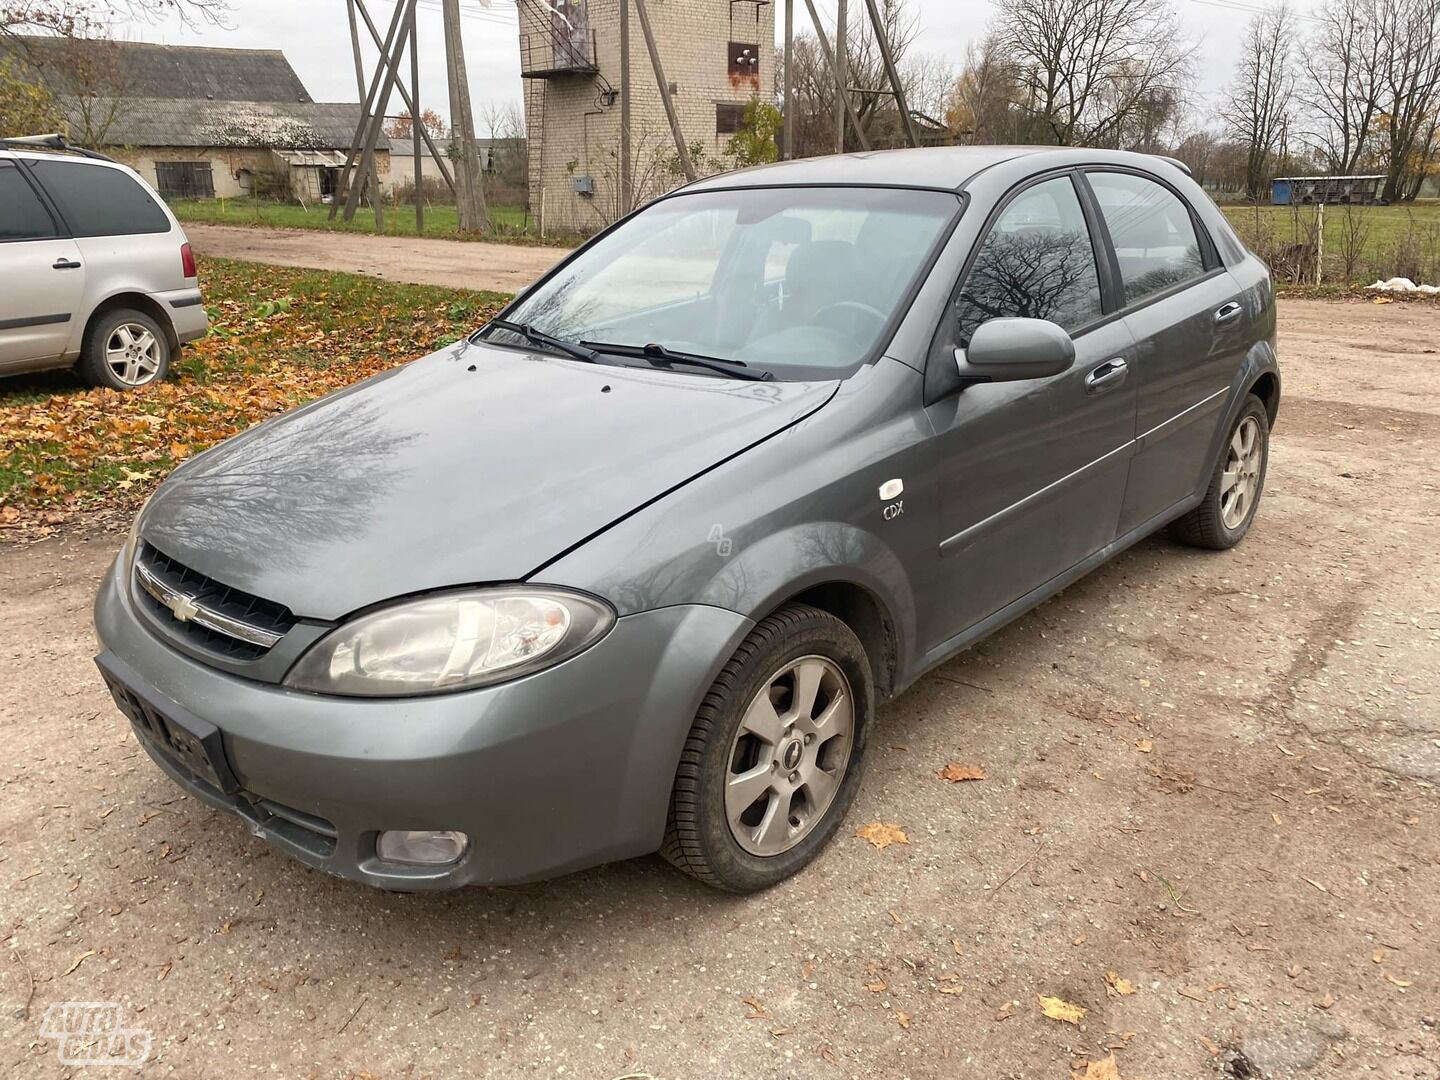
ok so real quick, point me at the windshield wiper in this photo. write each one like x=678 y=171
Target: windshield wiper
x=547 y=341
x=736 y=369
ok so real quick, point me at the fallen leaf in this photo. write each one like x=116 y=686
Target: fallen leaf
x=1005 y=1011
x=807 y=969
x=956 y=773
x=1117 y=985
x=775 y=1033
x=1382 y=300
x=955 y=944
x=757 y=1010
x=882 y=835
x=1325 y=1002
x=1104 y=1069
x=1398 y=981
x=1214 y=1049
x=80 y=960
x=1144 y=745
x=164 y=970
x=951 y=989
x=903 y=1019
x=1079 y=940
x=1058 y=1009
x=879 y=986
x=1378 y=957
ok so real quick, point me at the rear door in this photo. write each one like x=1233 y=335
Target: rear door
x=41 y=271
x=1031 y=474
x=1189 y=323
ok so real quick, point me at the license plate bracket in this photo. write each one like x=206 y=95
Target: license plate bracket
x=190 y=742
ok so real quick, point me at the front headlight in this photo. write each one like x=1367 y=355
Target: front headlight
x=451 y=641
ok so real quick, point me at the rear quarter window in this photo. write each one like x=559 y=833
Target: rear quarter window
x=99 y=201
x=22 y=215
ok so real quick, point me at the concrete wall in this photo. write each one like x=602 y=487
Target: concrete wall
x=574 y=132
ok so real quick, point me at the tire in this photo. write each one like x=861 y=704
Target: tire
x=117 y=353
x=1218 y=523
x=794 y=642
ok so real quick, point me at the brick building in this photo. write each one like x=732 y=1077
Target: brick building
x=718 y=55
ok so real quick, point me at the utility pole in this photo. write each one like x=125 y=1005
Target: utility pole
x=825 y=52
x=883 y=40
x=681 y=150
x=416 y=125
x=627 y=179
x=842 y=75
x=363 y=143
x=787 y=151
x=371 y=177
x=470 y=196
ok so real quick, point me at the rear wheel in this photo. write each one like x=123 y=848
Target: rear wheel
x=1223 y=517
x=124 y=349
x=774 y=758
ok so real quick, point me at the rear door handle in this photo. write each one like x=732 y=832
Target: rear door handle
x=1106 y=376
x=1225 y=312
x=66 y=264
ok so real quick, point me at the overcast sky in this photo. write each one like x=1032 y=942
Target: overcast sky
x=314 y=37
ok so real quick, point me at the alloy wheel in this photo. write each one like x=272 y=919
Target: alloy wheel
x=790 y=755
x=1240 y=482
x=132 y=353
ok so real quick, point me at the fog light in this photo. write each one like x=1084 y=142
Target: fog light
x=421 y=847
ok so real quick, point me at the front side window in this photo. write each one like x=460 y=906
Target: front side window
x=1153 y=233
x=799 y=281
x=22 y=215
x=100 y=201
x=1036 y=263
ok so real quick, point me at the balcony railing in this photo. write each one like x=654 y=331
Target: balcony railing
x=550 y=53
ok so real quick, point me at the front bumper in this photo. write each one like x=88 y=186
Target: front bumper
x=551 y=773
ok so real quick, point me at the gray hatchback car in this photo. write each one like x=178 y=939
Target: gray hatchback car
x=630 y=568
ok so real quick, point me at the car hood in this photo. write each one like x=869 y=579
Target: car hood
x=475 y=464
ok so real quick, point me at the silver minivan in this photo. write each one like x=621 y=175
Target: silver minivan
x=96 y=272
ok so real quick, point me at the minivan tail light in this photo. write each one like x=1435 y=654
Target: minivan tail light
x=187 y=261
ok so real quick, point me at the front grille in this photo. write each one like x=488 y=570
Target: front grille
x=240 y=610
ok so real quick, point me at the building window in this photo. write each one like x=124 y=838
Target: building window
x=184 y=180
x=729 y=119
x=743 y=66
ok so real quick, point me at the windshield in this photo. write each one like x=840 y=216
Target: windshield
x=798 y=281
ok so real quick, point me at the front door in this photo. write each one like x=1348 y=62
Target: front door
x=1031 y=474
x=42 y=271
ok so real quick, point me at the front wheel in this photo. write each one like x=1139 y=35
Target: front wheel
x=774 y=757
x=1223 y=517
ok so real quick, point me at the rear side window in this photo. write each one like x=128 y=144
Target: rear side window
x=22 y=215
x=1036 y=263
x=100 y=201
x=1152 y=230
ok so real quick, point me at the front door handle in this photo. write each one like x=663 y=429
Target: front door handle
x=66 y=264
x=1106 y=376
x=1225 y=312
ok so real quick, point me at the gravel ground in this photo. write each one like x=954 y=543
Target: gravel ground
x=459 y=264
x=1210 y=774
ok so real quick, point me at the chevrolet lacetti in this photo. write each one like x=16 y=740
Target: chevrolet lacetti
x=630 y=568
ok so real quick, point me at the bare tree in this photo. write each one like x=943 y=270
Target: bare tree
x=1410 y=90
x=1259 y=97
x=1342 y=65
x=1089 y=65
x=84 y=18
x=984 y=105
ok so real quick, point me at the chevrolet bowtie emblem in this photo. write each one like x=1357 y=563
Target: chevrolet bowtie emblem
x=182 y=607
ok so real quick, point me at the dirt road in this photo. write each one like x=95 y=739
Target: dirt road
x=456 y=263
x=1211 y=774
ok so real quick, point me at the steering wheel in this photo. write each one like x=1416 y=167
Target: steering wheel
x=850 y=307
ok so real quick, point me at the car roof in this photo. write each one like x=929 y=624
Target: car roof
x=945 y=167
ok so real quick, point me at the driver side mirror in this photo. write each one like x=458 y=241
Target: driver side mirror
x=1010 y=350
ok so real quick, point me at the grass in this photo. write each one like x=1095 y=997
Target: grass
x=278 y=337
x=1390 y=241
x=440 y=220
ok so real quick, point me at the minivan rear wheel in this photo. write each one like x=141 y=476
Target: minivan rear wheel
x=124 y=349
x=1223 y=517
x=774 y=757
